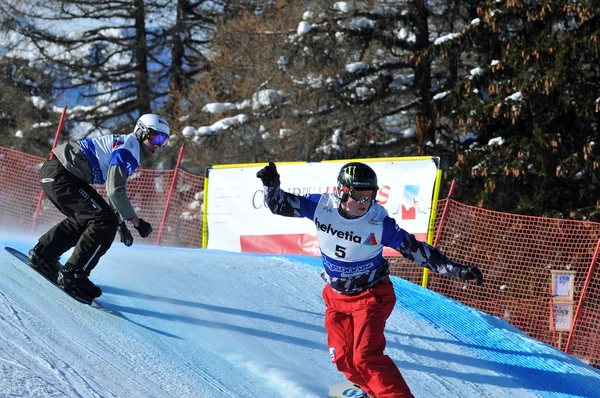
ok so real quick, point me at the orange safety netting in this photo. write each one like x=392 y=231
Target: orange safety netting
x=516 y=253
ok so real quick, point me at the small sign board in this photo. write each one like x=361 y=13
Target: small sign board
x=563 y=315
x=563 y=283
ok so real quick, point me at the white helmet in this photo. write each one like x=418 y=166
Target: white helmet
x=151 y=123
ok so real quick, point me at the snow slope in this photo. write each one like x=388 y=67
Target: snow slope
x=199 y=323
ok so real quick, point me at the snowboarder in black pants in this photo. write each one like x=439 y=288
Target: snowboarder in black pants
x=91 y=223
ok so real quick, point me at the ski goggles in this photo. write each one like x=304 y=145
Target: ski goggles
x=362 y=196
x=158 y=138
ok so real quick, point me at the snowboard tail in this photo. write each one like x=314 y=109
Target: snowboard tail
x=346 y=389
x=25 y=259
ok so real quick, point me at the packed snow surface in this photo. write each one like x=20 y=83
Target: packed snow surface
x=201 y=323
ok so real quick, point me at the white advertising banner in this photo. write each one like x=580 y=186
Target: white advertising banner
x=238 y=220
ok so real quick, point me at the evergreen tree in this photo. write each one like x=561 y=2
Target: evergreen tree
x=26 y=123
x=189 y=41
x=121 y=59
x=345 y=79
x=529 y=113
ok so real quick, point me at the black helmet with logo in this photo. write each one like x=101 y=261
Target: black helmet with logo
x=356 y=176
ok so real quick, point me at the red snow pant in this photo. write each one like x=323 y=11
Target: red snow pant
x=356 y=341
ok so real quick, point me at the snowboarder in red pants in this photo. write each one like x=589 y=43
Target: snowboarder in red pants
x=352 y=229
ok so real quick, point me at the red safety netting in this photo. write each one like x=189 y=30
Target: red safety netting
x=517 y=254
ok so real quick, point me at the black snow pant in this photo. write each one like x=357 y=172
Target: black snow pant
x=90 y=226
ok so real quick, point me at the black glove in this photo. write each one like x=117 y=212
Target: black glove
x=144 y=228
x=470 y=272
x=126 y=237
x=269 y=175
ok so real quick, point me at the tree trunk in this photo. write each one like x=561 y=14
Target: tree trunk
x=425 y=116
x=177 y=54
x=141 y=59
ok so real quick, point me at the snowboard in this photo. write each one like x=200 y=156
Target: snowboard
x=346 y=389
x=24 y=258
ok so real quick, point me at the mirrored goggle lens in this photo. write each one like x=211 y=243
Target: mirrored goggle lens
x=362 y=196
x=157 y=138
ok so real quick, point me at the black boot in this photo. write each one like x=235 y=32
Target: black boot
x=48 y=266
x=77 y=283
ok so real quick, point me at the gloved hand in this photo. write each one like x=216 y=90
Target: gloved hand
x=470 y=272
x=144 y=228
x=269 y=175
x=126 y=237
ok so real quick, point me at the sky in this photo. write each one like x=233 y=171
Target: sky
x=202 y=323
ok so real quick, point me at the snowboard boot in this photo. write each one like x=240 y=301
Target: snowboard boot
x=48 y=266
x=76 y=282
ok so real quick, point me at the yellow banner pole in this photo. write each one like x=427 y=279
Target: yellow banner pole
x=431 y=230
x=205 y=211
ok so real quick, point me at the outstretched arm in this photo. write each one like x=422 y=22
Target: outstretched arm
x=428 y=256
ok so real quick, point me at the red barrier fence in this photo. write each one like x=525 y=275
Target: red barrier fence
x=522 y=257
x=518 y=256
